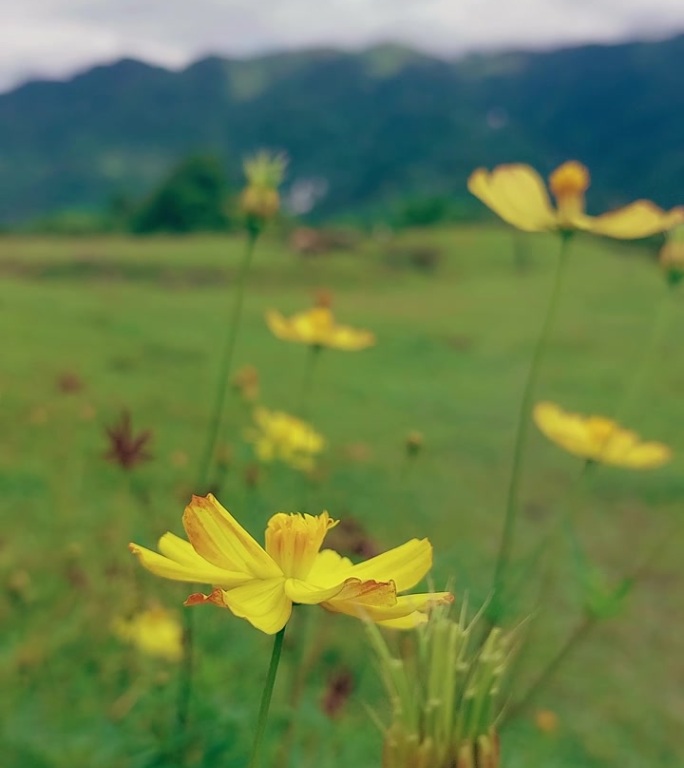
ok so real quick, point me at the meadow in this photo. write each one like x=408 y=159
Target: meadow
x=95 y=326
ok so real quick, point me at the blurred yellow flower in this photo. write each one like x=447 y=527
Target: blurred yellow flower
x=517 y=194
x=262 y=584
x=279 y=436
x=155 y=632
x=317 y=327
x=264 y=172
x=597 y=438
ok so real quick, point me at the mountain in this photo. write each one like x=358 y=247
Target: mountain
x=376 y=126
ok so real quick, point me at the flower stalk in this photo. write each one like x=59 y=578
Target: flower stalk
x=266 y=698
x=503 y=557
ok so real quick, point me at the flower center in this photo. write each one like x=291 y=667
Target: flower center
x=293 y=541
x=568 y=183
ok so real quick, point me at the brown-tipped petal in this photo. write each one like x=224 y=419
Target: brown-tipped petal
x=218 y=537
x=197 y=598
x=405 y=565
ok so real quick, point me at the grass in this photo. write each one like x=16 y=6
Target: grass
x=139 y=322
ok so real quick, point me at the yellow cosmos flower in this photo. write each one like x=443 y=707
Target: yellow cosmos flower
x=279 y=436
x=317 y=327
x=155 y=632
x=517 y=194
x=262 y=584
x=596 y=438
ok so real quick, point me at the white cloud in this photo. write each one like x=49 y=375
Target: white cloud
x=56 y=37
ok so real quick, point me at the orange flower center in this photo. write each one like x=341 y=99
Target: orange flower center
x=293 y=541
x=568 y=183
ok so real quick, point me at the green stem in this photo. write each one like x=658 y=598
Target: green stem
x=522 y=430
x=226 y=362
x=187 y=662
x=266 y=698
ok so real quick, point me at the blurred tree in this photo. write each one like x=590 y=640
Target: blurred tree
x=191 y=199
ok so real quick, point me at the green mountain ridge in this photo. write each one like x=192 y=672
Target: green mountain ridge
x=380 y=125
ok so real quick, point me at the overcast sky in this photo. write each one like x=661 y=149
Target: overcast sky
x=54 y=38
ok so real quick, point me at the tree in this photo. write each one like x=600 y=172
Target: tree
x=191 y=199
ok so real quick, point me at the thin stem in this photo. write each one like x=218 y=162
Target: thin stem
x=589 y=621
x=186 y=670
x=226 y=362
x=266 y=698
x=522 y=430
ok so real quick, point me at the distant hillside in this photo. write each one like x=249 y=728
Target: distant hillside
x=376 y=126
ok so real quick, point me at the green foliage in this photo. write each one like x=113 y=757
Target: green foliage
x=377 y=126
x=191 y=199
x=451 y=358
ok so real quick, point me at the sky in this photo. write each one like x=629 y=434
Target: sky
x=56 y=38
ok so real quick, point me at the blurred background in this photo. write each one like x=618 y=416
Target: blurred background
x=123 y=130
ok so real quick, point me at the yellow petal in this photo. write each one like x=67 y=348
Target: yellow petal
x=303 y=592
x=411 y=621
x=376 y=604
x=199 y=571
x=349 y=339
x=262 y=602
x=644 y=456
x=640 y=219
x=329 y=568
x=517 y=194
x=404 y=565
x=279 y=326
x=218 y=537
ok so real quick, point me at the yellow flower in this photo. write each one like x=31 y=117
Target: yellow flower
x=596 y=438
x=282 y=437
x=262 y=584
x=517 y=194
x=155 y=632
x=317 y=327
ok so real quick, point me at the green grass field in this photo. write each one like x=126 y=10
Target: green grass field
x=140 y=322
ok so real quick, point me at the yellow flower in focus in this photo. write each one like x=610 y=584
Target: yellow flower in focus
x=517 y=194
x=260 y=199
x=596 y=438
x=262 y=584
x=279 y=436
x=317 y=327
x=155 y=632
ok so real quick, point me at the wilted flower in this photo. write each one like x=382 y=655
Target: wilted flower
x=262 y=584
x=260 y=199
x=155 y=632
x=279 y=436
x=338 y=690
x=125 y=448
x=517 y=194
x=317 y=328
x=69 y=383
x=445 y=698
x=246 y=383
x=596 y=438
